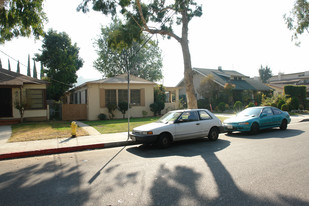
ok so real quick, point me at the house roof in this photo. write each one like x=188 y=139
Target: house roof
x=122 y=79
x=222 y=77
x=13 y=79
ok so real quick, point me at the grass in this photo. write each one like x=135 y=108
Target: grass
x=43 y=130
x=119 y=125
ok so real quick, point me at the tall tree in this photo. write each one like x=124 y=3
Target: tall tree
x=298 y=19
x=28 y=67
x=209 y=89
x=18 y=67
x=42 y=71
x=35 y=74
x=265 y=73
x=143 y=61
x=140 y=16
x=61 y=60
x=9 y=65
x=21 y=18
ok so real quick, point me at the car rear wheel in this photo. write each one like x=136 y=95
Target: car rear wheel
x=164 y=140
x=213 y=134
x=254 y=128
x=284 y=124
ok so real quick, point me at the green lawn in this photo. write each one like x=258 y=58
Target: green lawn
x=119 y=125
x=29 y=131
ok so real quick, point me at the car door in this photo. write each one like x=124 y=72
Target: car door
x=187 y=126
x=206 y=122
x=277 y=116
x=266 y=118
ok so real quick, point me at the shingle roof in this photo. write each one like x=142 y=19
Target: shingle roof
x=224 y=76
x=122 y=79
x=9 y=78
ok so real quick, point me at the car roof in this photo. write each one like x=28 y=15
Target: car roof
x=186 y=110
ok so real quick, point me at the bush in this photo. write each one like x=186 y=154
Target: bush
x=238 y=106
x=280 y=103
x=221 y=106
x=202 y=104
x=102 y=116
x=123 y=107
x=251 y=104
x=111 y=108
x=285 y=107
x=294 y=103
x=157 y=107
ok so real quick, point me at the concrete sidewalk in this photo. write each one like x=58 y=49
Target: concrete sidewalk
x=95 y=140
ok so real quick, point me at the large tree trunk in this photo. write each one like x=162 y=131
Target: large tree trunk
x=188 y=72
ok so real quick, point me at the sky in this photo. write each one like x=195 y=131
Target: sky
x=238 y=35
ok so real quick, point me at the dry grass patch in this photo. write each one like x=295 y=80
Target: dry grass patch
x=42 y=131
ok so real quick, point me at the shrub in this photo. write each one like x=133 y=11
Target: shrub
x=202 y=104
x=123 y=107
x=221 y=106
x=111 y=108
x=294 y=103
x=280 y=103
x=157 y=107
x=102 y=116
x=284 y=107
x=238 y=106
x=251 y=104
x=145 y=113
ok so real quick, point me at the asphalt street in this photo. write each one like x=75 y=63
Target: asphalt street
x=270 y=168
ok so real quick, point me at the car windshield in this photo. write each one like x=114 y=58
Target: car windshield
x=170 y=116
x=250 y=112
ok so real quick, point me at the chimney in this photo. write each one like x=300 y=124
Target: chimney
x=220 y=68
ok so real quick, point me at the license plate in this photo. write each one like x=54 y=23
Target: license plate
x=229 y=126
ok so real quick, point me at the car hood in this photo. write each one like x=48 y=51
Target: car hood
x=239 y=119
x=150 y=126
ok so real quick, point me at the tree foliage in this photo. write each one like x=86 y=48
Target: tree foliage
x=155 y=17
x=298 y=19
x=159 y=100
x=61 y=60
x=265 y=73
x=209 y=89
x=143 y=61
x=21 y=18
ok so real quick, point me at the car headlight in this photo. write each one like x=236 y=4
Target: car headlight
x=147 y=133
x=243 y=123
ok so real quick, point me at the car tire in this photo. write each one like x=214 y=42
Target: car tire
x=284 y=124
x=164 y=140
x=213 y=134
x=254 y=128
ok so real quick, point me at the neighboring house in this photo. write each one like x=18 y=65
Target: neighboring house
x=16 y=88
x=278 y=82
x=96 y=95
x=222 y=77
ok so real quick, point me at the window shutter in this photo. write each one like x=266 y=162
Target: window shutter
x=102 y=98
x=143 y=97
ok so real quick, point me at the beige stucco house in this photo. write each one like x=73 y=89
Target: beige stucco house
x=16 y=88
x=96 y=95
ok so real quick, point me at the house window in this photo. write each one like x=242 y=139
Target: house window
x=35 y=98
x=110 y=96
x=136 y=97
x=122 y=95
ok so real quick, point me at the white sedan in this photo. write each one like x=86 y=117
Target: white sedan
x=179 y=125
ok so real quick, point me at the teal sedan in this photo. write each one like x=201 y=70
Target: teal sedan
x=254 y=119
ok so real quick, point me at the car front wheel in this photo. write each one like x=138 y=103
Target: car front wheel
x=284 y=124
x=164 y=140
x=254 y=128
x=213 y=134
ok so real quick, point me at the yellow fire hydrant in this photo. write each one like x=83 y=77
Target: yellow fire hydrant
x=73 y=129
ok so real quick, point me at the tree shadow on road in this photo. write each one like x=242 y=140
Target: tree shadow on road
x=42 y=184
x=181 y=185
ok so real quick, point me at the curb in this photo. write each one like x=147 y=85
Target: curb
x=15 y=155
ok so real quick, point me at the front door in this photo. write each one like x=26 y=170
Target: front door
x=6 y=102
